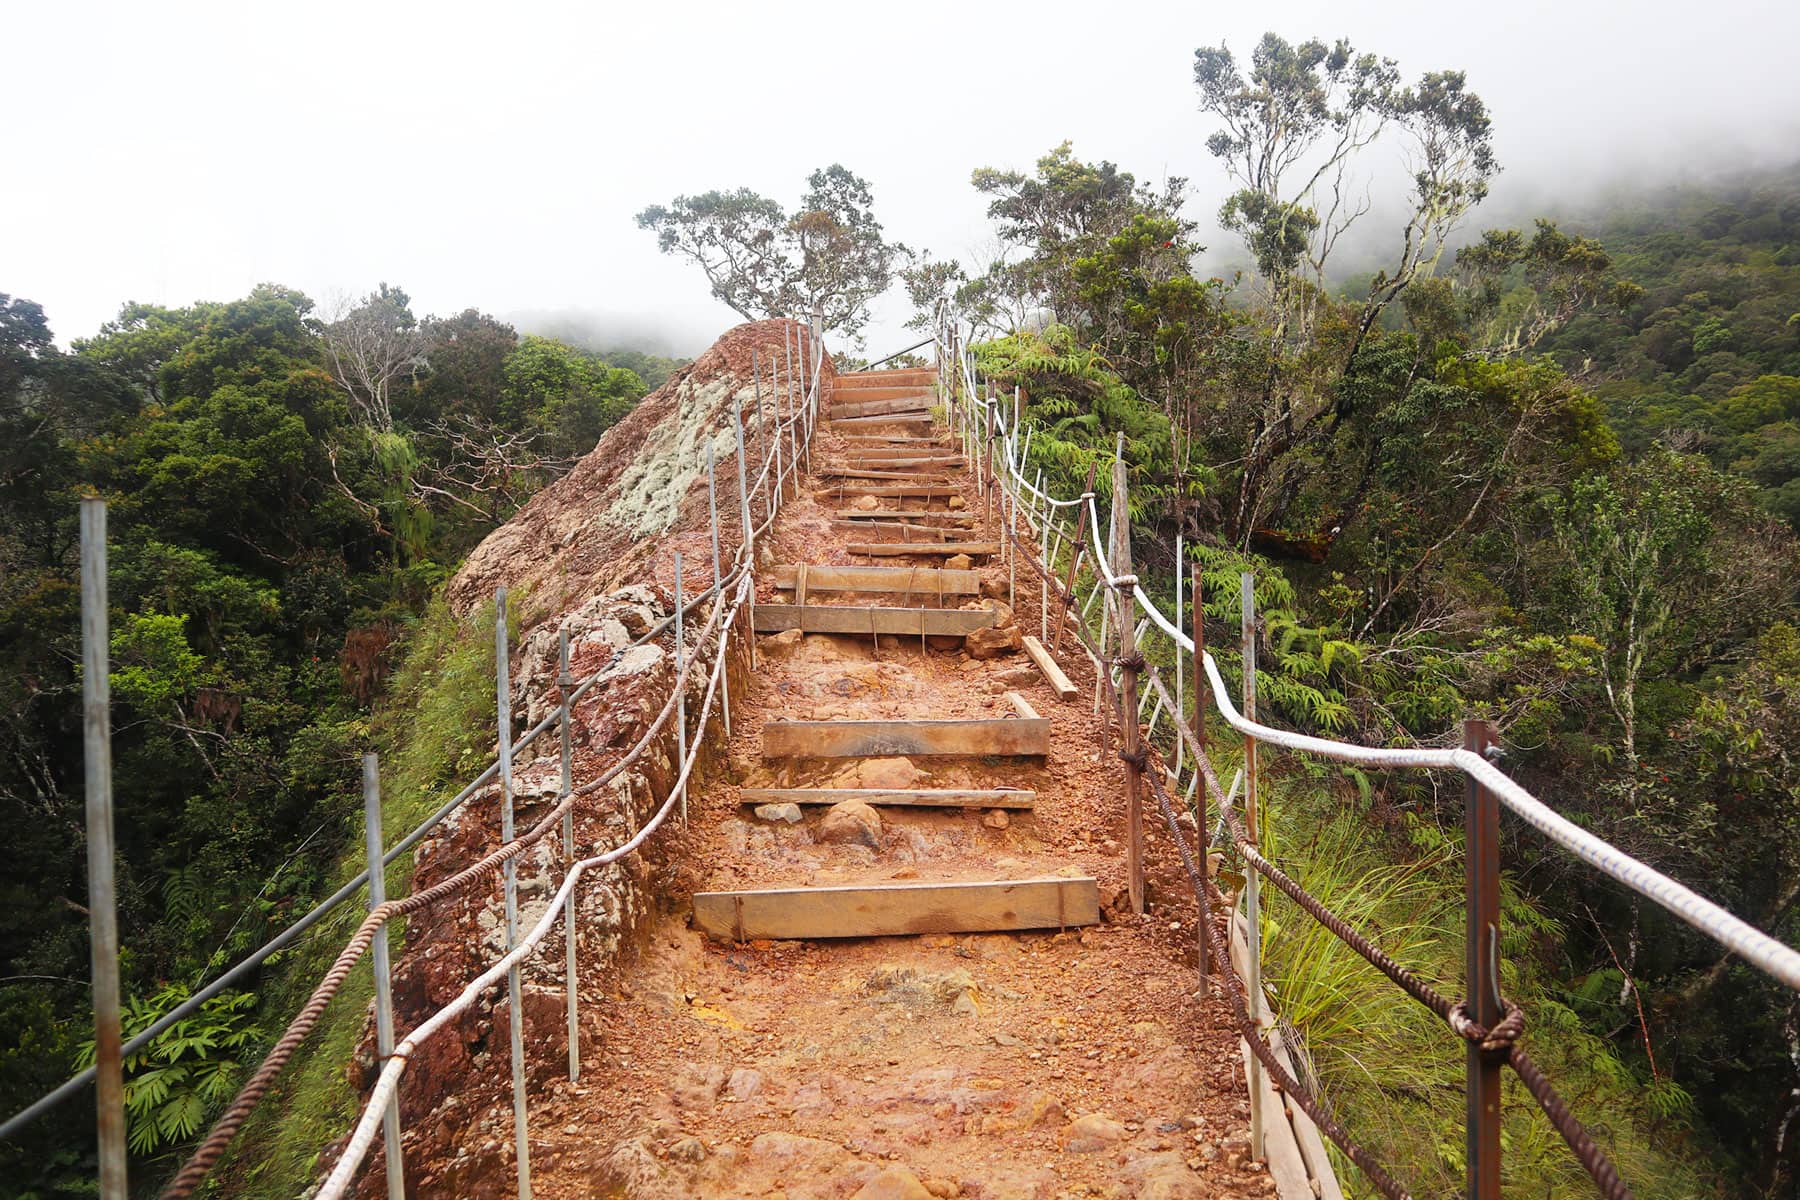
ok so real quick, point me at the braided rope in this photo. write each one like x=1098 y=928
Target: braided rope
x=194 y=1172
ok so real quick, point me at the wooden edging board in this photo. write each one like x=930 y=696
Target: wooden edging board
x=1048 y=668
x=925 y=492
x=901 y=514
x=935 y=478
x=908 y=797
x=896 y=549
x=910 y=400
x=877 y=739
x=905 y=531
x=925 y=581
x=816 y=618
x=897 y=908
x=912 y=418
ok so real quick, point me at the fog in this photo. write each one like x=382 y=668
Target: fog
x=493 y=156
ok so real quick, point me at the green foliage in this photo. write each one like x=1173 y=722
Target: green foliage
x=178 y=1083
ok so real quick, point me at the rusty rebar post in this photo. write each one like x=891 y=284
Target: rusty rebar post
x=681 y=730
x=748 y=533
x=712 y=512
x=1481 y=856
x=1077 y=548
x=103 y=911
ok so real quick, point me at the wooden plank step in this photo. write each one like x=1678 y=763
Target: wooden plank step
x=923 y=581
x=1019 y=798
x=903 y=514
x=891 y=377
x=897 y=549
x=912 y=418
x=841 y=410
x=902 y=442
x=936 y=463
x=922 y=491
x=921 y=448
x=896 y=476
x=874 y=739
x=1052 y=673
x=915 y=396
x=904 y=530
x=878 y=910
x=816 y=618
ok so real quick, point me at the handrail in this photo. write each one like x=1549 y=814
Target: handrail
x=1488 y=1046
x=1779 y=960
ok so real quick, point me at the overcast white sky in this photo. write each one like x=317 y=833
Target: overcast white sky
x=493 y=155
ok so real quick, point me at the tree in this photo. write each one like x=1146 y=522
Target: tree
x=372 y=345
x=828 y=256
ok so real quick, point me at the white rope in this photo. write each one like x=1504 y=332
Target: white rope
x=1774 y=957
x=368 y=1125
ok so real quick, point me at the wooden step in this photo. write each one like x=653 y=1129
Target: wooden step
x=895 y=476
x=921 y=491
x=903 y=530
x=878 y=910
x=1046 y=666
x=897 y=462
x=841 y=411
x=910 y=396
x=820 y=618
x=919 y=581
x=912 y=418
x=901 y=514
x=898 y=441
x=1021 y=798
x=1027 y=737
x=897 y=549
x=893 y=377
x=921 y=448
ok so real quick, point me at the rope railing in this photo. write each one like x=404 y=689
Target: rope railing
x=785 y=443
x=992 y=432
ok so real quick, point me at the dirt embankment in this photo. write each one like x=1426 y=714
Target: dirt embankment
x=592 y=554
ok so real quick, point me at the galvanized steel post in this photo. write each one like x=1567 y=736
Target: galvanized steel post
x=514 y=998
x=748 y=543
x=712 y=512
x=680 y=688
x=565 y=686
x=1481 y=858
x=103 y=912
x=393 y=1148
x=1252 y=890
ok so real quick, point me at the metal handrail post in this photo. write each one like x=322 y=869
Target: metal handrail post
x=103 y=911
x=392 y=1146
x=514 y=998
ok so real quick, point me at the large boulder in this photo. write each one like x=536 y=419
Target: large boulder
x=850 y=823
x=992 y=643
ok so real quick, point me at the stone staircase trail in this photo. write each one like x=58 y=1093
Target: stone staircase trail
x=898 y=963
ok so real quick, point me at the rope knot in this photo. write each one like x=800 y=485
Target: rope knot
x=1500 y=1037
x=1139 y=758
x=1125 y=583
x=1132 y=661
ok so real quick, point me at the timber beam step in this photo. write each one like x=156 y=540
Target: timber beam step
x=892 y=377
x=898 y=442
x=903 y=529
x=873 y=454
x=893 y=463
x=877 y=910
x=904 y=418
x=886 y=475
x=897 y=549
x=920 y=492
x=927 y=581
x=982 y=798
x=1047 y=667
x=911 y=394
x=901 y=514
x=1021 y=736
x=815 y=618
